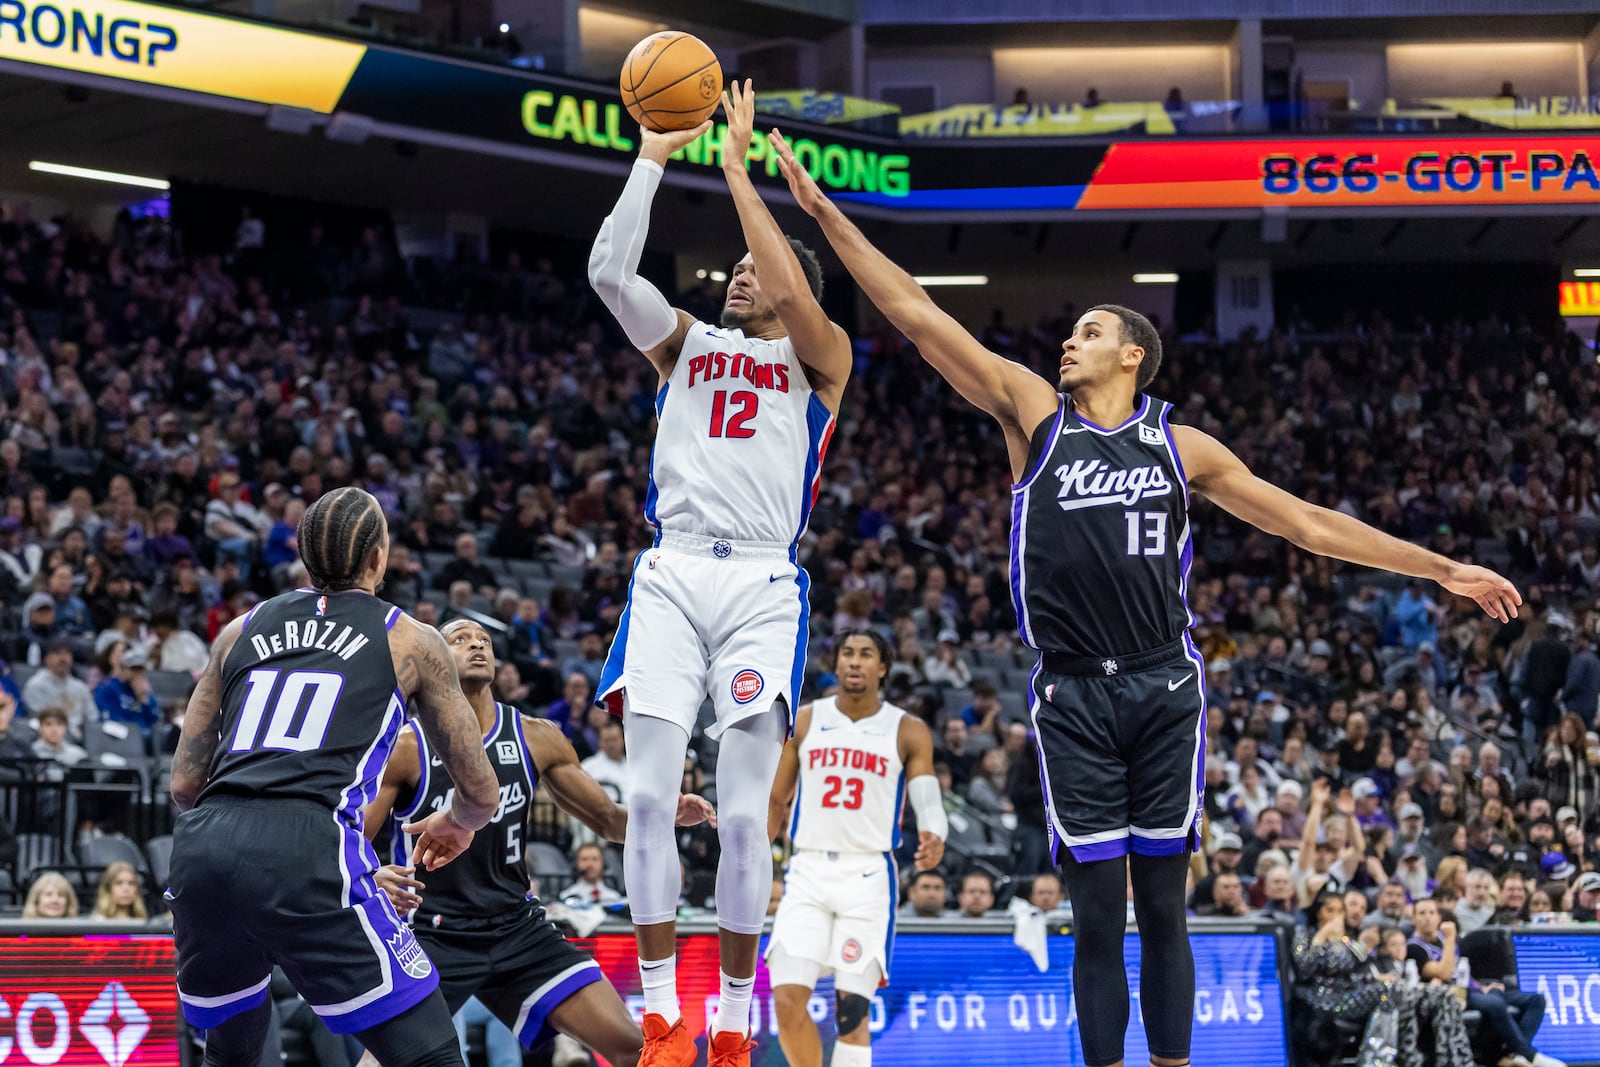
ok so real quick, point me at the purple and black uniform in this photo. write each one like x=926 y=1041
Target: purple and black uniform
x=486 y=934
x=271 y=867
x=1100 y=556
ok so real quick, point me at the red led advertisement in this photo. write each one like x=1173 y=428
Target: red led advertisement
x=96 y=1001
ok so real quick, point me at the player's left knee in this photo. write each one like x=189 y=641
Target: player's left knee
x=853 y=1011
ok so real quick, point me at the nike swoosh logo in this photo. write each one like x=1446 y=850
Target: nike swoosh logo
x=436 y=762
x=869 y=874
x=1172 y=686
x=776 y=577
x=825 y=729
x=1078 y=429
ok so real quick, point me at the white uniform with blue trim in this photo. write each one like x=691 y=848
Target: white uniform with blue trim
x=841 y=888
x=718 y=605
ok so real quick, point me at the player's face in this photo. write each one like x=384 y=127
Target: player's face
x=860 y=668
x=744 y=306
x=473 y=654
x=1095 y=352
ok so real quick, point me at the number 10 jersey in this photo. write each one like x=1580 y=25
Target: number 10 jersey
x=739 y=448
x=310 y=705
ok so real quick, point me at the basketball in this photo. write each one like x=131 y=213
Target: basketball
x=671 y=81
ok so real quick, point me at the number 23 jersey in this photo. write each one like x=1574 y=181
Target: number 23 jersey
x=852 y=783
x=739 y=449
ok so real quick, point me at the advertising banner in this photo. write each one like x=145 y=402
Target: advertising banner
x=89 y=1001
x=1564 y=968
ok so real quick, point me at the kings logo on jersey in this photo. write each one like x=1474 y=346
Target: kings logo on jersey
x=409 y=954
x=1091 y=483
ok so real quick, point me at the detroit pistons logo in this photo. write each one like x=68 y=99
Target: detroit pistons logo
x=850 y=951
x=409 y=954
x=747 y=685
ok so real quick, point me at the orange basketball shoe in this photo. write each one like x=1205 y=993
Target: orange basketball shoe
x=666 y=1046
x=729 y=1049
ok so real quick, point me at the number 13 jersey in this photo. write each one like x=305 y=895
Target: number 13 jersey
x=739 y=449
x=310 y=707
x=852 y=783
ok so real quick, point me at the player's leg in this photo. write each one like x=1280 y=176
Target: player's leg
x=420 y=1036
x=1098 y=890
x=650 y=854
x=597 y=1018
x=854 y=991
x=793 y=978
x=1166 y=756
x=746 y=764
x=238 y=1041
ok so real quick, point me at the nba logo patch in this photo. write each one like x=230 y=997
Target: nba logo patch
x=850 y=951
x=747 y=685
x=409 y=954
x=322 y=606
x=1050 y=691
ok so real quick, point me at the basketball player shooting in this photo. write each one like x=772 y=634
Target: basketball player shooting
x=1100 y=555
x=282 y=746
x=474 y=918
x=717 y=605
x=852 y=759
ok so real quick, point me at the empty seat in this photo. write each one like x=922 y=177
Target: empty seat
x=158 y=850
x=550 y=865
x=96 y=853
x=171 y=687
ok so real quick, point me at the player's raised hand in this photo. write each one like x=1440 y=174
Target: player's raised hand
x=739 y=108
x=1494 y=594
x=930 y=850
x=439 y=840
x=694 y=809
x=805 y=189
x=658 y=146
x=401 y=886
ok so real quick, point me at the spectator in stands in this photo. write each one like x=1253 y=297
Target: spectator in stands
x=609 y=766
x=50 y=897
x=1477 y=908
x=53 y=743
x=16 y=738
x=72 y=615
x=952 y=751
x=591 y=887
x=1586 y=893
x=925 y=896
x=946 y=667
x=1566 y=776
x=977 y=894
x=1045 y=893
x=987 y=790
x=234 y=524
x=280 y=548
x=467 y=567
x=119 y=895
x=236 y=600
x=165 y=543
x=1227 y=898
x=19 y=561
x=1225 y=859
x=126 y=695
x=403 y=583
x=56 y=686
x=181 y=594
x=590 y=659
x=176 y=649
x=1513 y=906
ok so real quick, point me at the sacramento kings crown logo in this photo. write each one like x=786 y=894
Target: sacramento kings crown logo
x=409 y=954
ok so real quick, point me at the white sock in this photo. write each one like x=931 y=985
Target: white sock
x=733 y=1007
x=850 y=1055
x=659 y=981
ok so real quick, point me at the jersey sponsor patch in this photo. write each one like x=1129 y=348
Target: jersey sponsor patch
x=409 y=954
x=747 y=685
x=850 y=951
x=1150 y=435
x=506 y=751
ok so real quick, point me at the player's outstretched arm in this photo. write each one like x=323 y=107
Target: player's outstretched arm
x=653 y=326
x=426 y=671
x=922 y=788
x=822 y=346
x=580 y=796
x=202 y=723
x=1215 y=471
x=1010 y=392
x=788 y=776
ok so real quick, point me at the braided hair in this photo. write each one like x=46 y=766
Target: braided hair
x=336 y=535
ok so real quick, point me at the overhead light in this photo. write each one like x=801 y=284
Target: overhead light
x=1587 y=272
x=950 y=279
x=1155 y=279
x=505 y=27
x=718 y=276
x=701 y=273
x=100 y=175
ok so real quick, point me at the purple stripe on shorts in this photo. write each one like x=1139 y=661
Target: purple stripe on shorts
x=1104 y=850
x=1158 y=846
x=535 y=1031
x=206 y=1018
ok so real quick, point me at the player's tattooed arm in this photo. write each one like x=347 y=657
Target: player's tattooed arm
x=585 y=799
x=788 y=776
x=426 y=671
x=202 y=723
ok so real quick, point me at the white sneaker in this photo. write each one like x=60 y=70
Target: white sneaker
x=1541 y=1060
x=568 y=1053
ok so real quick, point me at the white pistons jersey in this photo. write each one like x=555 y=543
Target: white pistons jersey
x=852 y=783
x=739 y=448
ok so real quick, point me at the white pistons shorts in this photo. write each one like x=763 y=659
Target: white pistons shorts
x=837 y=914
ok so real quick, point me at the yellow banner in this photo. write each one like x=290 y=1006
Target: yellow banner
x=1041 y=120
x=825 y=108
x=1580 y=299
x=180 y=49
x=1535 y=113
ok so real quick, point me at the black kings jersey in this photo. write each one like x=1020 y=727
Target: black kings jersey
x=490 y=879
x=1100 y=545
x=309 y=702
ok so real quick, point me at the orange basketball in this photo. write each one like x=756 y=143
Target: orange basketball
x=671 y=81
